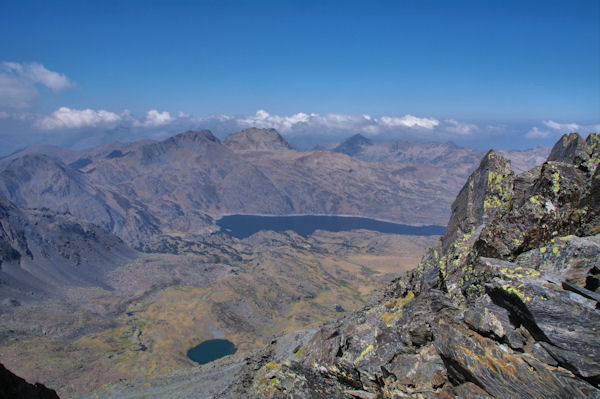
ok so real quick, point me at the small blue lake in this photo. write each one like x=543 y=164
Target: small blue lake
x=210 y=350
x=242 y=226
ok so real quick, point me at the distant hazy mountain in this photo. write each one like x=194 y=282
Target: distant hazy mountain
x=254 y=139
x=353 y=145
x=147 y=189
x=444 y=155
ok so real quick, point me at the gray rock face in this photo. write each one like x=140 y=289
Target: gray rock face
x=487 y=193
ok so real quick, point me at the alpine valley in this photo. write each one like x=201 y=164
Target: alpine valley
x=112 y=267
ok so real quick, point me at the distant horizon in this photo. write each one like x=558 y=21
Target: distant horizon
x=303 y=146
x=494 y=74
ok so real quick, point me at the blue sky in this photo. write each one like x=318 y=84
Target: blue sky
x=490 y=72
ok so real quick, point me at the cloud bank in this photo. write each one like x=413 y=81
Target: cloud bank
x=554 y=129
x=295 y=125
x=332 y=123
x=83 y=128
x=19 y=83
x=67 y=118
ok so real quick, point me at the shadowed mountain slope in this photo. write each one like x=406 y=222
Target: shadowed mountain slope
x=42 y=253
x=353 y=145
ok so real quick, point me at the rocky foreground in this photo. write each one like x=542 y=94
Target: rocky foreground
x=505 y=306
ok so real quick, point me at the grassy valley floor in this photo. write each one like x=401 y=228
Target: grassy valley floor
x=163 y=304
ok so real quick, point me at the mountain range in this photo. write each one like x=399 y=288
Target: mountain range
x=443 y=155
x=148 y=191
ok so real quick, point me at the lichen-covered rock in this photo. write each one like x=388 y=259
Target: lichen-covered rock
x=487 y=194
x=498 y=370
x=571 y=258
x=573 y=149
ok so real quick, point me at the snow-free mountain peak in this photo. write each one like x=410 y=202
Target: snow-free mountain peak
x=255 y=139
x=353 y=145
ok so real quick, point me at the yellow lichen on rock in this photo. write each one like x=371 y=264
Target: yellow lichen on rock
x=363 y=353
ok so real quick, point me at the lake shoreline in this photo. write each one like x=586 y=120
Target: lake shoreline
x=244 y=225
x=222 y=215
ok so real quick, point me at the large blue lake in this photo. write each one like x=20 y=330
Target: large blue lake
x=242 y=226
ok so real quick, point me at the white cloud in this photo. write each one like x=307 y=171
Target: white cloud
x=566 y=127
x=460 y=128
x=67 y=118
x=158 y=124
x=409 y=121
x=19 y=81
x=301 y=122
x=536 y=133
x=37 y=73
x=155 y=118
x=555 y=129
x=263 y=119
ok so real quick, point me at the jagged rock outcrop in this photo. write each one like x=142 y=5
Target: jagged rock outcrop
x=506 y=306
